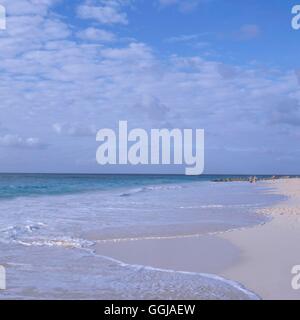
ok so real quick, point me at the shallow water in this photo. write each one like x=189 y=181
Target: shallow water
x=47 y=241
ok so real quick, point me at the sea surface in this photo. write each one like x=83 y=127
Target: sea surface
x=49 y=225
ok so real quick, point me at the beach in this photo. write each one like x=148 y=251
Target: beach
x=142 y=237
x=259 y=257
x=269 y=251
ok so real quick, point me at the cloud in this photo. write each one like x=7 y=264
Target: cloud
x=181 y=5
x=227 y=71
x=134 y=52
x=189 y=39
x=74 y=129
x=297 y=72
x=15 y=141
x=286 y=111
x=151 y=108
x=108 y=12
x=183 y=38
x=57 y=87
x=248 y=32
x=97 y=35
x=2 y=128
x=28 y=7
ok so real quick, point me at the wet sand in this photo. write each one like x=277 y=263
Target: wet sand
x=260 y=258
x=203 y=254
x=270 y=251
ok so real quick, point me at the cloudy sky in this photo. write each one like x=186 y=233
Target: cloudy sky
x=70 y=68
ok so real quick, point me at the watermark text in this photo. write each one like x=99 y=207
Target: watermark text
x=296 y=17
x=2 y=17
x=158 y=147
x=2 y=278
x=296 y=278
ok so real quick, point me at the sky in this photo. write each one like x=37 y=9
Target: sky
x=70 y=68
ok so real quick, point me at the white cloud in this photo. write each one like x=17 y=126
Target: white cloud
x=49 y=77
x=74 y=129
x=108 y=12
x=97 y=35
x=182 y=5
x=28 y=7
x=286 y=111
x=183 y=38
x=15 y=141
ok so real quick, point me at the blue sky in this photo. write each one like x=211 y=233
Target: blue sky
x=70 y=68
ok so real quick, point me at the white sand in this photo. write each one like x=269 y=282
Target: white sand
x=270 y=251
x=261 y=257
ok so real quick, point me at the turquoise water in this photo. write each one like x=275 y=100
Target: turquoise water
x=20 y=185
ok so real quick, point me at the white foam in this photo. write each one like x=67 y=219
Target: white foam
x=203 y=206
x=207 y=276
x=151 y=188
x=64 y=242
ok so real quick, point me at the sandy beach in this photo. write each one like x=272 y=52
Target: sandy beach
x=260 y=258
x=131 y=238
x=270 y=251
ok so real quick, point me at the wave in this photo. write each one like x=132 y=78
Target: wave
x=65 y=242
x=220 y=206
x=14 y=232
x=26 y=235
x=150 y=188
x=203 y=206
x=30 y=185
x=219 y=287
x=132 y=192
x=198 y=285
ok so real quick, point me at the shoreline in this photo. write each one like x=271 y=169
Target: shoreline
x=270 y=251
x=249 y=256
x=184 y=254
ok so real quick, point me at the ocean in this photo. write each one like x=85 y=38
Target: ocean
x=49 y=225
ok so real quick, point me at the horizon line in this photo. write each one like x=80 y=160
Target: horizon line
x=150 y=174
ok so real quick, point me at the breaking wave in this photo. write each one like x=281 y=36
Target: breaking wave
x=150 y=188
